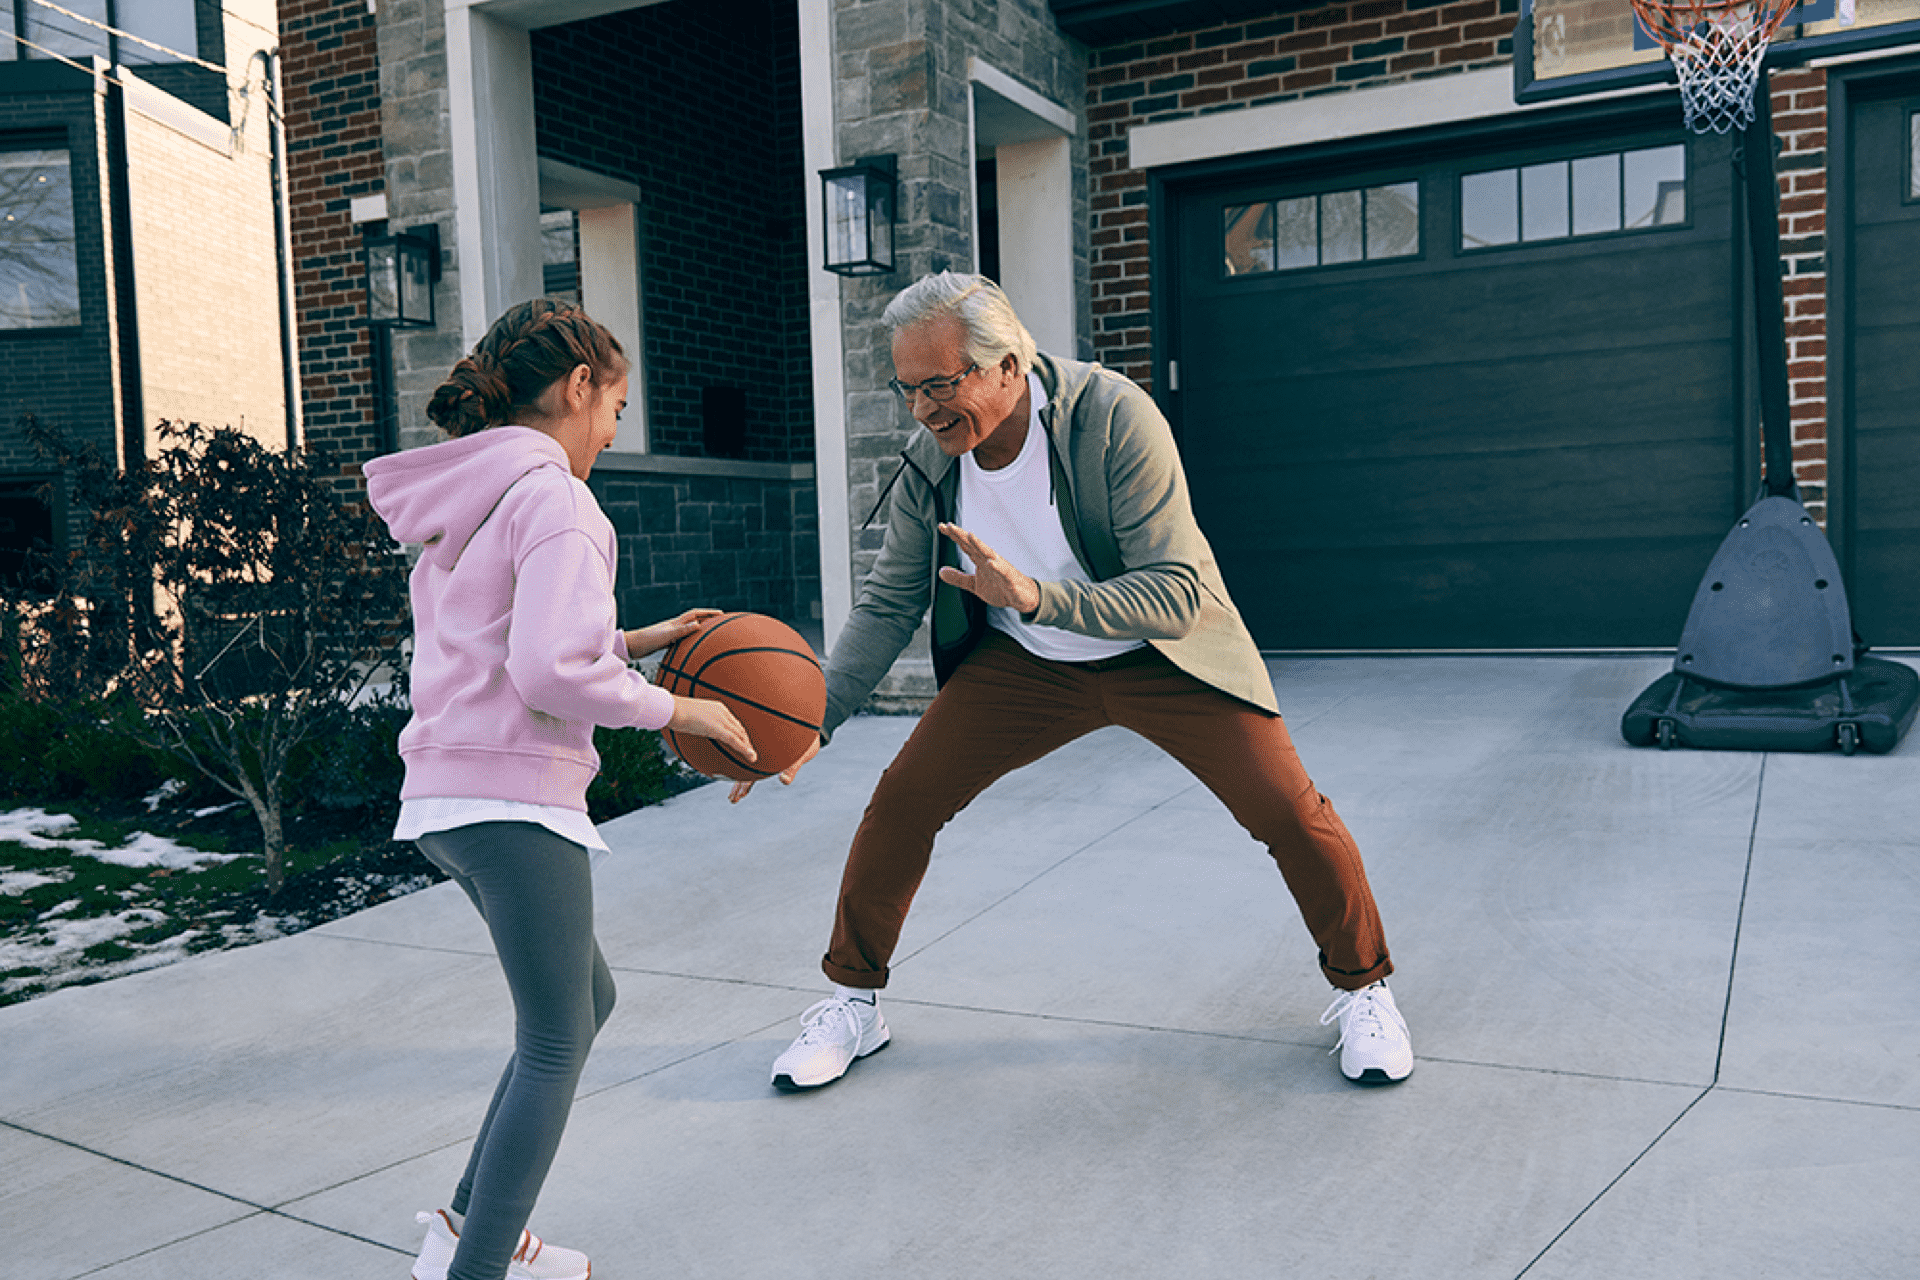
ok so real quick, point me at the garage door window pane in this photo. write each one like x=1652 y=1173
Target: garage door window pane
x=1490 y=208
x=1249 y=239
x=1342 y=227
x=1393 y=220
x=1544 y=211
x=1322 y=230
x=1655 y=186
x=1296 y=233
x=39 y=273
x=1596 y=195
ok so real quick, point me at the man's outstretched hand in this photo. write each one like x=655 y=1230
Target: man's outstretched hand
x=740 y=789
x=996 y=582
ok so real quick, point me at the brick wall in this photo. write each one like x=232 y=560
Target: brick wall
x=710 y=132
x=733 y=542
x=1799 y=102
x=332 y=95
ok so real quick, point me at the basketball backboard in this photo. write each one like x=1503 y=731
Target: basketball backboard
x=1571 y=48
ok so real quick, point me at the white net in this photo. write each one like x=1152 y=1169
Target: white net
x=1716 y=47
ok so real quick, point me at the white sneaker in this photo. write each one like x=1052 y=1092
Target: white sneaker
x=533 y=1260
x=836 y=1032
x=1374 y=1045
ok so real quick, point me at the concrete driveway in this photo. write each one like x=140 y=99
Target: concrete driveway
x=1666 y=1006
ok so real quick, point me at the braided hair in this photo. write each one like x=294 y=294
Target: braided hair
x=531 y=347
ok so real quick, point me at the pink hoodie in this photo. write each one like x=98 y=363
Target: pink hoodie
x=516 y=653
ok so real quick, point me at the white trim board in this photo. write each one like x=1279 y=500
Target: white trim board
x=572 y=187
x=1471 y=95
x=992 y=78
x=817 y=132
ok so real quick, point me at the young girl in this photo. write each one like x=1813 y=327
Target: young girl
x=516 y=659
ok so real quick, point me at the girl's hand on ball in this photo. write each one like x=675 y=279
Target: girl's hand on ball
x=642 y=641
x=740 y=789
x=705 y=718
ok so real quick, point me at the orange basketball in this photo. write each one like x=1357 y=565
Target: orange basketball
x=767 y=676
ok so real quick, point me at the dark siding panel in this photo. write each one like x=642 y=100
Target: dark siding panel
x=1885 y=391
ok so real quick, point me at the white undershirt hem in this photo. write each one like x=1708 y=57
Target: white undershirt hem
x=429 y=814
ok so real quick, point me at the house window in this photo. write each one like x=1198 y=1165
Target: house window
x=56 y=33
x=163 y=22
x=1330 y=227
x=39 y=268
x=1590 y=196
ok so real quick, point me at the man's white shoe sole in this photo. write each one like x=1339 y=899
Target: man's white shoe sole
x=1378 y=1076
x=785 y=1083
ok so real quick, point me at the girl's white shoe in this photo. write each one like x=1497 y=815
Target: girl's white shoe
x=533 y=1260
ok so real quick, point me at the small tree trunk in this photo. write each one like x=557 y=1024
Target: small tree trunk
x=276 y=848
x=266 y=811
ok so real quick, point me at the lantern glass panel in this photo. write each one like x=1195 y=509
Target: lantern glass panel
x=383 y=281
x=416 y=284
x=847 y=229
x=880 y=223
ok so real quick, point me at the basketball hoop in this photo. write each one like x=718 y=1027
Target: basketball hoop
x=1716 y=47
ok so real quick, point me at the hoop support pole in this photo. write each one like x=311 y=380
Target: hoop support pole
x=1769 y=299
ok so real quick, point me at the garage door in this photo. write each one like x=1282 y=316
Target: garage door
x=1884 y=384
x=1484 y=399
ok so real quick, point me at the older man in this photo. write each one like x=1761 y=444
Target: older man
x=1043 y=516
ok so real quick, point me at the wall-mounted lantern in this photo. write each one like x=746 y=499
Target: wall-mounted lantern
x=402 y=267
x=858 y=202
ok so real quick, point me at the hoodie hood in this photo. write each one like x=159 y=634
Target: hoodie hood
x=440 y=495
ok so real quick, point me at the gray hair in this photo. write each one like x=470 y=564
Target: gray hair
x=993 y=331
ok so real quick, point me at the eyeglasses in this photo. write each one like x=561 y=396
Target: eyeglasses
x=938 y=390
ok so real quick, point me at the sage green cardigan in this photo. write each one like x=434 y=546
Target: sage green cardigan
x=1121 y=494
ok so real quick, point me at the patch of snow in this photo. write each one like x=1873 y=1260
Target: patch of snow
x=264 y=928
x=163 y=793
x=68 y=967
x=218 y=808
x=15 y=883
x=62 y=943
x=38 y=829
x=60 y=910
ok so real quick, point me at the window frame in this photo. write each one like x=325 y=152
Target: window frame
x=1318 y=195
x=1464 y=250
x=56 y=141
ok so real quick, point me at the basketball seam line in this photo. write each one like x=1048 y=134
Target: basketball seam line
x=698 y=683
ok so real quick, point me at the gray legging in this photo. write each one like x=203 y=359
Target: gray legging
x=535 y=892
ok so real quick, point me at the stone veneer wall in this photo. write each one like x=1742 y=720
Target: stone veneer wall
x=903 y=88
x=417 y=143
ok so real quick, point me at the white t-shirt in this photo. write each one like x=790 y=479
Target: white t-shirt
x=444 y=813
x=1012 y=510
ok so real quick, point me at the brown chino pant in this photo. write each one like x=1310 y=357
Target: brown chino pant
x=1005 y=708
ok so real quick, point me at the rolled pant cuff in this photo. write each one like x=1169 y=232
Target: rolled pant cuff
x=864 y=979
x=1346 y=981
